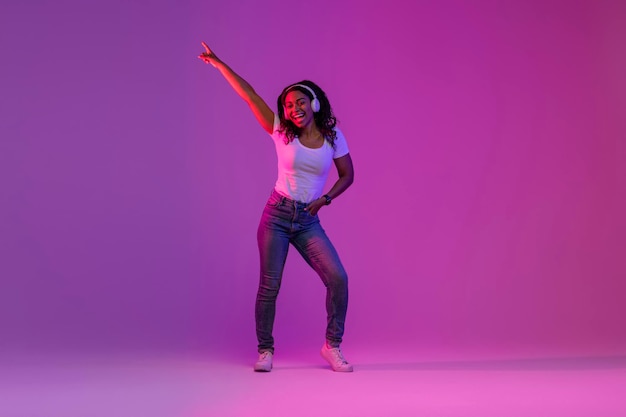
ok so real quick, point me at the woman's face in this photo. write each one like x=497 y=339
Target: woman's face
x=298 y=108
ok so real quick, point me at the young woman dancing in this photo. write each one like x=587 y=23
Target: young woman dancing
x=307 y=144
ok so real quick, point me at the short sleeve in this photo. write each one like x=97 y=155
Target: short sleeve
x=341 y=146
x=276 y=124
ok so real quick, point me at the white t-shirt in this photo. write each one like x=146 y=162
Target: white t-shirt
x=302 y=171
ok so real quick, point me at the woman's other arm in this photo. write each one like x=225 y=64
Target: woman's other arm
x=345 y=172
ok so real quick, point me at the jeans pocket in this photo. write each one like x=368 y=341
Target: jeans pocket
x=274 y=201
x=309 y=219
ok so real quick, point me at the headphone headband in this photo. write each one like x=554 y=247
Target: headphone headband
x=291 y=87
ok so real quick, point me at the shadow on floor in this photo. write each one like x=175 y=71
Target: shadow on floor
x=532 y=364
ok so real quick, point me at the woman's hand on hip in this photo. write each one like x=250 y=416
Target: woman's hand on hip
x=315 y=205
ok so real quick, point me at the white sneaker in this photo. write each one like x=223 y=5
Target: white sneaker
x=264 y=363
x=336 y=360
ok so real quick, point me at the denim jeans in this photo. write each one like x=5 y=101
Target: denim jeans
x=285 y=222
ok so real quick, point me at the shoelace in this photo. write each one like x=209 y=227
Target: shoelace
x=264 y=356
x=338 y=356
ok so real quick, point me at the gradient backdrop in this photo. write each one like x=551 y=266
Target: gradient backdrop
x=487 y=214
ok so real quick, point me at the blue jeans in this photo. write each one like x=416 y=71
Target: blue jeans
x=285 y=222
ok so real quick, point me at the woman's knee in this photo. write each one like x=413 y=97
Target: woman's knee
x=338 y=279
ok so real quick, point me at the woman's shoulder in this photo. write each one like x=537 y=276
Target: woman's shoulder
x=276 y=125
x=277 y=133
x=340 y=144
x=339 y=133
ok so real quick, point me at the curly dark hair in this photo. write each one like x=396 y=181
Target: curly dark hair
x=325 y=119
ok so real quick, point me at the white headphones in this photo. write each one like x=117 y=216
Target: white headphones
x=315 y=103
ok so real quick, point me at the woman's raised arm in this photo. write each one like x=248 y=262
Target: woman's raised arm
x=259 y=108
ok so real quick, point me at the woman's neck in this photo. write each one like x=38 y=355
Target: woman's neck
x=309 y=131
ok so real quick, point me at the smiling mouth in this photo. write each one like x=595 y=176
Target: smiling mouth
x=298 y=116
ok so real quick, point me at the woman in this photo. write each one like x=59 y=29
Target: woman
x=307 y=143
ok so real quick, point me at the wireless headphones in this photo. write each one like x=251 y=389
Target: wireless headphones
x=315 y=103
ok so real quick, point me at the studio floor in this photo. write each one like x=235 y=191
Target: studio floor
x=301 y=385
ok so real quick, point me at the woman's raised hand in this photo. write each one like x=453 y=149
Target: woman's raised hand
x=262 y=112
x=208 y=56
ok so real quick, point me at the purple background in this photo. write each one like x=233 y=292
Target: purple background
x=488 y=141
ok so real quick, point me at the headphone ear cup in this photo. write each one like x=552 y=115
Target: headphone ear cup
x=315 y=105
